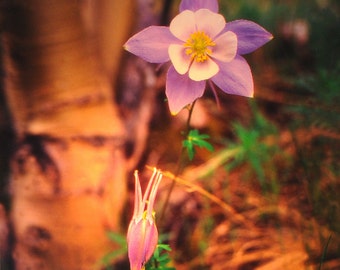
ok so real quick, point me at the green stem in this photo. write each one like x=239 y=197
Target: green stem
x=180 y=163
x=324 y=252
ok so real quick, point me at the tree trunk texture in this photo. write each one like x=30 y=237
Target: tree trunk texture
x=68 y=171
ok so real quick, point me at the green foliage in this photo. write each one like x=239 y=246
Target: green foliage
x=160 y=259
x=318 y=154
x=321 y=17
x=321 y=103
x=120 y=240
x=193 y=139
x=257 y=149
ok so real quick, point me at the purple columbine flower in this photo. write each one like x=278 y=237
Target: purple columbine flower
x=201 y=46
x=142 y=235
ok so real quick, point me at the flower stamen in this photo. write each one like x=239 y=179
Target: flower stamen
x=198 y=46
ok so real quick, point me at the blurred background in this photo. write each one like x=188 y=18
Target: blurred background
x=276 y=161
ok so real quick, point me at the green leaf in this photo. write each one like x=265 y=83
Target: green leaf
x=193 y=139
x=160 y=259
x=111 y=256
x=117 y=238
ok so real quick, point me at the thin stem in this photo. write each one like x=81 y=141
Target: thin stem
x=191 y=109
x=324 y=252
x=179 y=165
x=213 y=89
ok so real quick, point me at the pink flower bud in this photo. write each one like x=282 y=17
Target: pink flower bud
x=142 y=236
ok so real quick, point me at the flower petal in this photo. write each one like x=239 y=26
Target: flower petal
x=209 y=22
x=235 y=77
x=249 y=34
x=181 y=90
x=198 y=4
x=179 y=58
x=183 y=25
x=226 y=47
x=142 y=242
x=136 y=243
x=152 y=241
x=151 y=44
x=200 y=71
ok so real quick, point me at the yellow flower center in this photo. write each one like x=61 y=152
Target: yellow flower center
x=198 y=46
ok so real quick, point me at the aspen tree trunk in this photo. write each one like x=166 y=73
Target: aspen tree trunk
x=68 y=172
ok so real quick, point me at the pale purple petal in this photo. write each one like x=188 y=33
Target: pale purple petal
x=209 y=22
x=226 y=47
x=181 y=91
x=235 y=77
x=203 y=70
x=152 y=44
x=198 y=4
x=179 y=58
x=183 y=25
x=250 y=35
